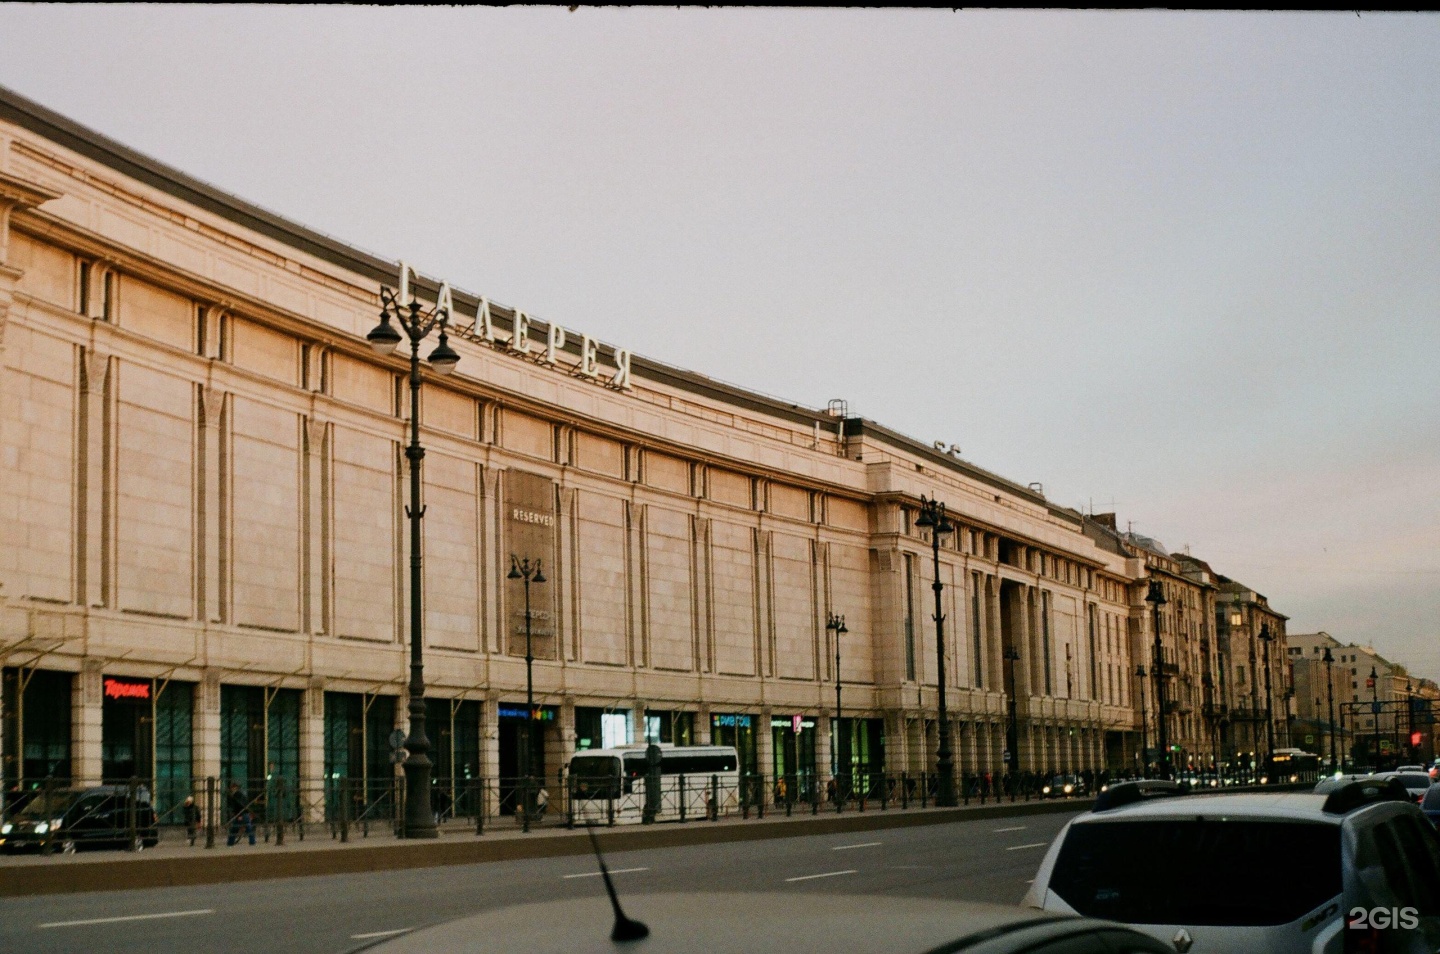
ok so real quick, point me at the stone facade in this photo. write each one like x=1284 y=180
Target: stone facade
x=204 y=485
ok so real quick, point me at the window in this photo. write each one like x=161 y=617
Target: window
x=1236 y=873
x=909 y=617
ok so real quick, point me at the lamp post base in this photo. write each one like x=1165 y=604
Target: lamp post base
x=419 y=820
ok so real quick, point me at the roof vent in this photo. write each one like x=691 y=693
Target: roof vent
x=1365 y=791
x=1128 y=793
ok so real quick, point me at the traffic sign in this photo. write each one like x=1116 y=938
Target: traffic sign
x=1005 y=755
x=1375 y=707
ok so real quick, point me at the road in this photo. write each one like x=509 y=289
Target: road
x=980 y=860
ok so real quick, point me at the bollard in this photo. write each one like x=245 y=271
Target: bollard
x=760 y=802
x=682 y=797
x=714 y=798
x=924 y=790
x=570 y=805
x=744 y=798
x=884 y=792
x=210 y=812
x=278 y=795
x=345 y=798
x=904 y=790
x=478 y=800
x=525 y=797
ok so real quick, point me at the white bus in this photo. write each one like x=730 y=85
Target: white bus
x=608 y=785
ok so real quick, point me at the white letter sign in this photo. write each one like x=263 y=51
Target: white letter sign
x=555 y=342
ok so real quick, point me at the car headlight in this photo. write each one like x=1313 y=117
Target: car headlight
x=5 y=828
x=55 y=824
x=42 y=828
x=1046 y=789
x=1069 y=789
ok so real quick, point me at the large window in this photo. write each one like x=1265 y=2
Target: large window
x=259 y=735
x=36 y=726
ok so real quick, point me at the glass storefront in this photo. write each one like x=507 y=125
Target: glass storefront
x=737 y=729
x=793 y=756
x=454 y=732
x=146 y=733
x=358 y=762
x=260 y=744
x=676 y=728
x=861 y=753
x=36 y=723
x=601 y=728
x=514 y=719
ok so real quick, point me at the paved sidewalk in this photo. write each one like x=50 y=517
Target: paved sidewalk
x=174 y=862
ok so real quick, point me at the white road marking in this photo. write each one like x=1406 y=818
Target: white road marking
x=361 y=937
x=828 y=874
x=1038 y=844
x=866 y=844
x=128 y=917
x=999 y=831
x=596 y=874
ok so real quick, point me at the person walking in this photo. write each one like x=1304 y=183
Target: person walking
x=238 y=805
x=191 y=813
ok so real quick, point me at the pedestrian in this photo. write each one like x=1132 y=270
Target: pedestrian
x=780 y=791
x=830 y=791
x=238 y=808
x=191 y=814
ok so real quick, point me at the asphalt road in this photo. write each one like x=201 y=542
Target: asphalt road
x=981 y=860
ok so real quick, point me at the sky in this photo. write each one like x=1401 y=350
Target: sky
x=1180 y=266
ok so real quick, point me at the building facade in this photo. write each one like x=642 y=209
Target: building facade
x=1255 y=675
x=203 y=546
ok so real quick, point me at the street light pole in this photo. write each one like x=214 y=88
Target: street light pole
x=1144 y=730
x=932 y=517
x=1375 y=716
x=1266 y=637
x=1012 y=730
x=1156 y=598
x=836 y=625
x=1329 y=659
x=419 y=821
x=530 y=573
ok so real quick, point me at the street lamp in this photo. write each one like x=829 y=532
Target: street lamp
x=1409 y=718
x=836 y=625
x=1329 y=659
x=1156 y=598
x=1266 y=637
x=1375 y=715
x=417 y=323
x=530 y=573
x=932 y=517
x=1012 y=730
x=1144 y=729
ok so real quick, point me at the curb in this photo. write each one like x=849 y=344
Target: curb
x=137 y=873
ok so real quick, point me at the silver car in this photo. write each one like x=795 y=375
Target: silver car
x=1299 y=872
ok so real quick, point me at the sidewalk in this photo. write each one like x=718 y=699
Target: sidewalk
x=174 y=863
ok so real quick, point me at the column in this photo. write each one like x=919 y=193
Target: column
x=312 y=747
x=205 y=730
x=85 y=724
x=490 y=747
x=824 y=724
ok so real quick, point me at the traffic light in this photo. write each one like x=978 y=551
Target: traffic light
x=1415 y=739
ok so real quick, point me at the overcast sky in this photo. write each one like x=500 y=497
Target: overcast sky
x=1181 y=266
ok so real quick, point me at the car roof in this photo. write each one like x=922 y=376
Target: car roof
x=1283 y=806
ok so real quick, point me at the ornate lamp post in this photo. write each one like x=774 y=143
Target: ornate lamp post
x=836 y=625
x=1144 y=730
x=530 y=573
x=1012 y=728
x=416 y=322
x=1409 y=719
x=932 y=517
x=1329 y=659
x=1266 y=638
x=1156 y=598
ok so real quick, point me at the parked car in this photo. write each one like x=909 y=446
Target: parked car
x=1416 y=783
x=1280 y=872
x=114 y=816
x=1065 y=786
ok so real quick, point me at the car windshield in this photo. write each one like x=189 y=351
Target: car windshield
x=43 y=806
x=1180 y=871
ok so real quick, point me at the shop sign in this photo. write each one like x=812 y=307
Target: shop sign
x=137 y=690
x=731 y=721
x=482 y=330
x=793 y=723
x=542 y=713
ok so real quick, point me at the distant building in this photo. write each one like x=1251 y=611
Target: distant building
x=1256 y=678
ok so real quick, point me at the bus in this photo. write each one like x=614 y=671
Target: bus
x=608 y=785
x=1294 y=765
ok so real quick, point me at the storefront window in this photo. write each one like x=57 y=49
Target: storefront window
x=676 y=728
x=738 y=730
x=259 y=735
x=36 y=726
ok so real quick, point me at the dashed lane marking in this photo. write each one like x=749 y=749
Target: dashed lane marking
x=361 y=937
x=1038 y=844
x=863 y=844
x=128 y=917
x=596 y=874
x=1001 y=831
x=828 y=874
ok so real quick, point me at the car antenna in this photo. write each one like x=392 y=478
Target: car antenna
x=625 y=929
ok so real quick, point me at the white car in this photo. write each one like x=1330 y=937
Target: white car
x=1281 y=873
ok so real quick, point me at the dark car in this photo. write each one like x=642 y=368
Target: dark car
x=1416 y=783
x=113 y=816
x=1064 y=786
x=1430 y=804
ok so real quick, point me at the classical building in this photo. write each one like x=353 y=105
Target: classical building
x=1321 y=688
x=202 y=531
x=1255 y=678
